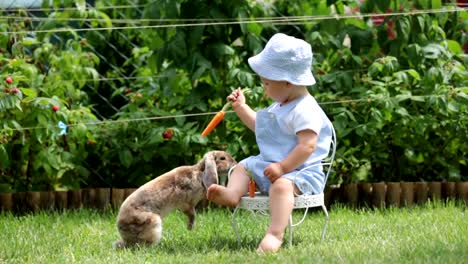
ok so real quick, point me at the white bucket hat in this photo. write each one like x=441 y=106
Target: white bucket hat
x=285 y=58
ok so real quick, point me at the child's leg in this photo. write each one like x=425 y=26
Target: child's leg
x=238 y=185
x=281 y=206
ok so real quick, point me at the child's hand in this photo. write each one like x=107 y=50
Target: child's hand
x=237 y=98
x=273 y=171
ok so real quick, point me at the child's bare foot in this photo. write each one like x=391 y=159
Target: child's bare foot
x=269 y=244
x=221 y=195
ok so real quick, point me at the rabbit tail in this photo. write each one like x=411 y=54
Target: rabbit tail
x=145 y=228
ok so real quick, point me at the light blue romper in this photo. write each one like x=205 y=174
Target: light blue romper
x=276 y=130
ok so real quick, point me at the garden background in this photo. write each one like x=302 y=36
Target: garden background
x=112 y=93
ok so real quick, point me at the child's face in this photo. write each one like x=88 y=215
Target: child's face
x=276 y=90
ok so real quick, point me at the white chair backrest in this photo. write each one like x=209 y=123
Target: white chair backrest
x=328 y=162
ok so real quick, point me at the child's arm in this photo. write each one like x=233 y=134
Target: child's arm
x=306 y=144
x=243 y=111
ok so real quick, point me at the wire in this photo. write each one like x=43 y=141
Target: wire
x=72 y=8
x=121 y=20
x=129 y=78
x=126 y=7
x=104 y=122
x=273 y=20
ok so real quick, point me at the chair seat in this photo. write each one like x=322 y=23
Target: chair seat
x=261 y=202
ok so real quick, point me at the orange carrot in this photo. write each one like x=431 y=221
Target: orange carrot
x=213 y=123
x=252 y=188
x=219 y=116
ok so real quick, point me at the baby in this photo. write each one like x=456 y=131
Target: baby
x=293 y=133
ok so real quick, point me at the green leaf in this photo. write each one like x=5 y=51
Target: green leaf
x=418 y=98
x=433 y=51
x=220 y=49
x=383 y=5
x=424 y=3
x=4 y=157
x=436 y=4
x=414 y=74
x=402 y=111
x=454 y=47
x=42 y=119
x=254 y=28
x=403 y=27
x=29 y=41
x=80 y=5
x=126 y=158
x=29 y=92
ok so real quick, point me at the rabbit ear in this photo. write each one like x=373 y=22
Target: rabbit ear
x=210 y=174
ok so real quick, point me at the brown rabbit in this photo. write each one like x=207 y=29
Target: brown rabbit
x=140 y=217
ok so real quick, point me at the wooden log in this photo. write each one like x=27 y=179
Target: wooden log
x=448 y=191
x=61 y=200
x=74 y=199
x=6 y=202
x=88 y=197
x=129 y=191
x=102 y=198
x=421 y=192
x=462 y=191
x=334 y=195
x=351 y=194
x=435 y=191
x=32 y=201
x=47 y=200
x=365 y=194
x=407 y=194
x=378 y=194
x=393 y=195
x=118 y=196
x=19 y=205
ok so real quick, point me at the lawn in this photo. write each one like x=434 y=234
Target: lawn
x=434 y=233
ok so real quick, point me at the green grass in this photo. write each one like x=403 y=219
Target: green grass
x=434 y=233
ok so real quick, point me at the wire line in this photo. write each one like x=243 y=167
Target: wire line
x=273 y=20
x=104 y=122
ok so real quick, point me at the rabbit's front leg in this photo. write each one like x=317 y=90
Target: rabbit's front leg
x=190 y=213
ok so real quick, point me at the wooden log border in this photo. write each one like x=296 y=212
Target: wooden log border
x=355 y=195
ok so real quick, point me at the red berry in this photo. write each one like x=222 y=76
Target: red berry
x=391 y=34
x=15 y=90
x=7 y=90
x=377 y=20
x=55 y=108
x=8 y=80
x=168 y=133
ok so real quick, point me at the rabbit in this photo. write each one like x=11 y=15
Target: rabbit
x=139 y=220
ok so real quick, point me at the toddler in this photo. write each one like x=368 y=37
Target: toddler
x=293 y=135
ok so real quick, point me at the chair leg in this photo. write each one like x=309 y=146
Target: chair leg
x=235 y=226
x=290 y=226
x=326 y=221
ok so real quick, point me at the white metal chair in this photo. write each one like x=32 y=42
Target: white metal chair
x=261 y=203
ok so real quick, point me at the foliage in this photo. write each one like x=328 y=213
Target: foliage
x=394 y=86
x=40 y=86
